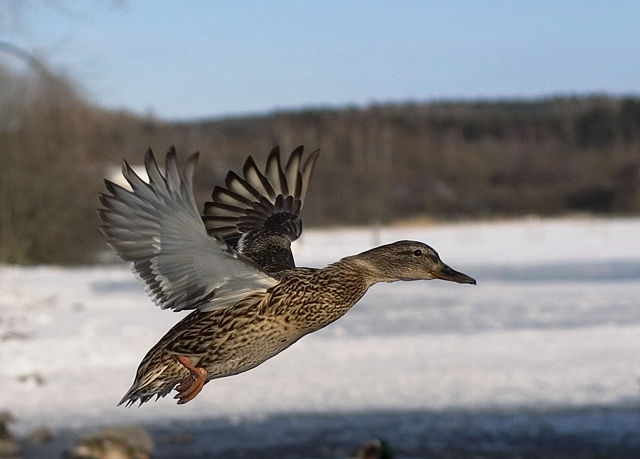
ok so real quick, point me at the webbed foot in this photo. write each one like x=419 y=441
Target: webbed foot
x=193 y=384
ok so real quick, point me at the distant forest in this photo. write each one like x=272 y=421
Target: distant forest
x=379 y=164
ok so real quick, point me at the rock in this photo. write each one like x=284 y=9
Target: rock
x=13 y=335
x=5 y=418
x=126 y=442
x=36 y=377
x=374 y=449
x=9 y=448
x=181 y=438
x=40 y=435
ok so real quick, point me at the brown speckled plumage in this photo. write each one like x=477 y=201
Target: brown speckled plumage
x=261 y=304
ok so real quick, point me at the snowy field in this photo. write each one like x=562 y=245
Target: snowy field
x=553 y=324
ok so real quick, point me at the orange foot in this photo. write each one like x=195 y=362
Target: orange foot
x=192 y=385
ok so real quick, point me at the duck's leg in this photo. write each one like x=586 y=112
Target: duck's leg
x=192 y=385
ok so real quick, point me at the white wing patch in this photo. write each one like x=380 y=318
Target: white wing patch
x=157 y=227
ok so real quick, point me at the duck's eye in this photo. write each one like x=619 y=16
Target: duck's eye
x=417 y=252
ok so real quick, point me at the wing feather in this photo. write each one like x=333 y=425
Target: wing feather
x=157 y=227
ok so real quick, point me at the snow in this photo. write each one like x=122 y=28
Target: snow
x=554 y=322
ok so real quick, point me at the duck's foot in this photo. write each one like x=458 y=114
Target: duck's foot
x=192 y=385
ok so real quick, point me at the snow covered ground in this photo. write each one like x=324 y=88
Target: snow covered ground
x=554 y=323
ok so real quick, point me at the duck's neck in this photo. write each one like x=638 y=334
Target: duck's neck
x=339 y=286
x=364 y=264
x=330 y=293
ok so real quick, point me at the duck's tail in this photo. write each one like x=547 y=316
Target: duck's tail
x=143 y=395
x=156 y=381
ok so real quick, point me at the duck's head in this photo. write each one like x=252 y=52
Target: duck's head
x=407 y=260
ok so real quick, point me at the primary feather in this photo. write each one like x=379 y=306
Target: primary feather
x=258 y=213
x=157 y=227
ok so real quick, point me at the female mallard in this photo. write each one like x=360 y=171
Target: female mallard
x=234 y=268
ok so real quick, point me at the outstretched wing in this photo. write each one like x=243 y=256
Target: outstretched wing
x=157 y=227
x=258 y=214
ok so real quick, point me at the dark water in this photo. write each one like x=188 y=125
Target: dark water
x=583 y=433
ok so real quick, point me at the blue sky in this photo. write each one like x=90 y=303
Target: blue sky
x=191 y=59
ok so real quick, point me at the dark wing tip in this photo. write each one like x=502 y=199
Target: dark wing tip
x=171 y=156
x=149 y=158
x=313 y=157
x=249 y=163
x=275 y=151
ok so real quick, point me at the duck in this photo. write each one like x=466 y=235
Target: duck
x=233 y=268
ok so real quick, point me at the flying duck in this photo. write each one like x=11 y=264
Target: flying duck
x=233 y=268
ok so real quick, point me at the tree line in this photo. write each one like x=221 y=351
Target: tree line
x=379 y=164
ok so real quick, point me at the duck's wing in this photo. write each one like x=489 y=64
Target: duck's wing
x=258 y=213
x=157 y=227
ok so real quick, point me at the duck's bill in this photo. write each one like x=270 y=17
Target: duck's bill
x=446 y=273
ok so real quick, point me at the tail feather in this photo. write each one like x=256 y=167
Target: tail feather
x=150 y=381
x=136 y=394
